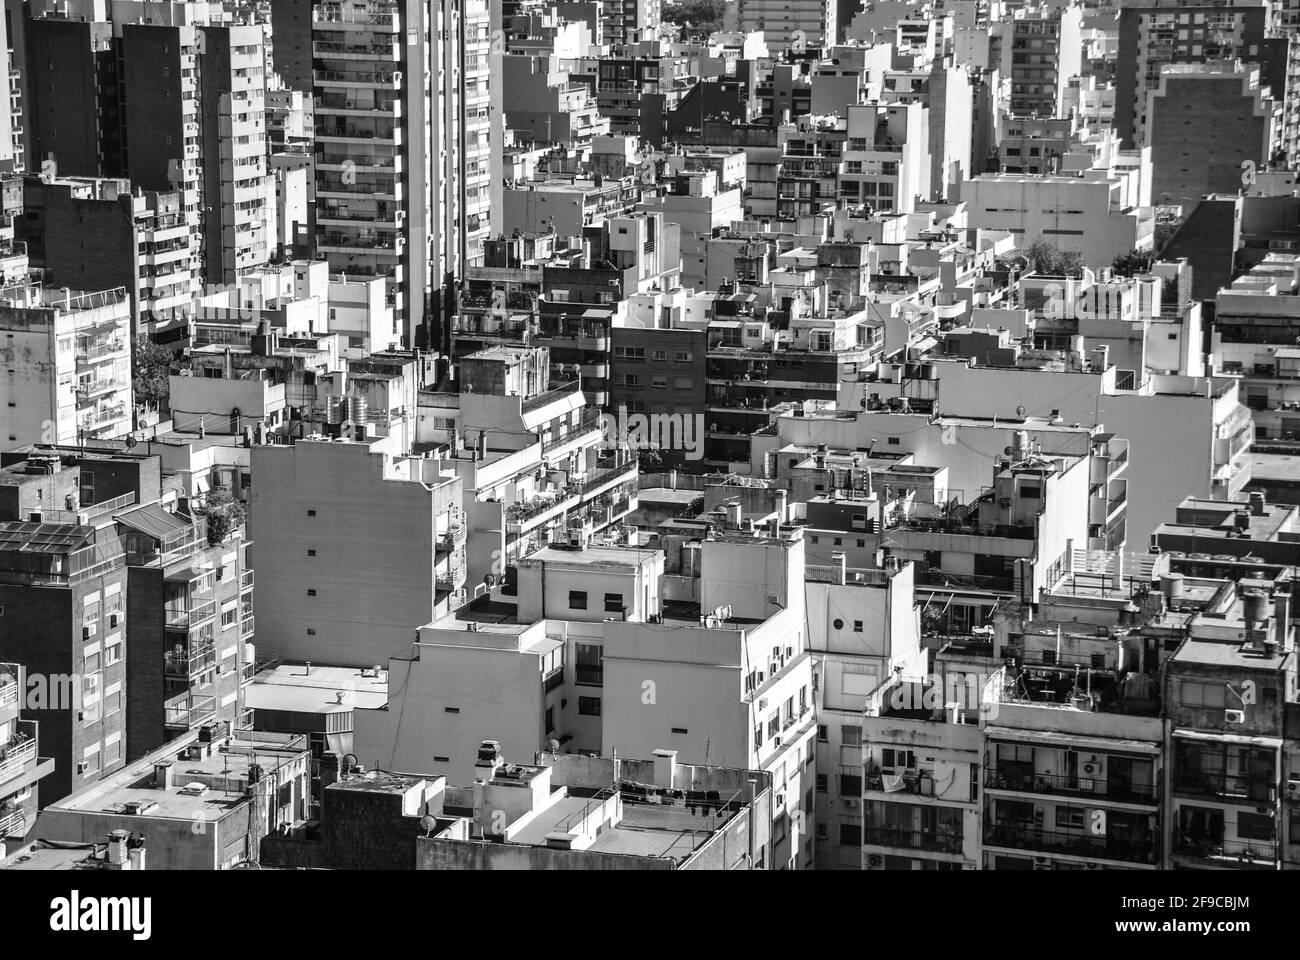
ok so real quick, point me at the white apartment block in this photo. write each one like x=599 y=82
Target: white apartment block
x=68 y=370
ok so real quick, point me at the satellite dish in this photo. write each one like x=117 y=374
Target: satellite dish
x=427 y=823
x=1020 y=411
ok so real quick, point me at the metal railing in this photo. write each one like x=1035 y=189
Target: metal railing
x=589 y=676
x=1029 y=838
x=188 y=663
x=187 y=711
x=246 y=627
x=910 y=783
x=1259 y=788
x=1263 y=852
x=1023 y=782
x=246 y=581
x=188 y=619
x=19 y=751
x=912 y=839
x=13 y=824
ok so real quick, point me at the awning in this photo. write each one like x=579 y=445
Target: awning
x=1273 y=742
x=153 y=521
x=1072 y=741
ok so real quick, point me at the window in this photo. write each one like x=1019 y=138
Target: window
x=1208 y=695
x=821 y=733
x=311 y=553
x=589 y=706
x=311 y=513
x=850 y=834
x=851 y=736
x=550 y=719
x=311 y=593
x=1254 y=826
x=857 y=626
x=821 y=783
x=660 y=383
x=587 y=667
x=897 y=758
x=1071 y=817
x=577 y=599
x=659 y=355
x=680 y=730
x=613 y=603
x=682 y=356
x=893 y=441
x=821 y=831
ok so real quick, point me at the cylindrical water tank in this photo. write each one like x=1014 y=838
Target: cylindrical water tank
x=1171 y=585
x=1254 y=606
x=358 y=410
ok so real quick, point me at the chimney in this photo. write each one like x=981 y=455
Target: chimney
x=1117 y=576
x=136 y=856
x=162 y=774
x=307 y=669
x=734 y=511
x=841 y=561
x=117 y=847
x=1257 y=503
x=665 y=769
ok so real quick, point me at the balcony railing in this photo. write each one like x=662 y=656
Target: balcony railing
x=912 y=839
x=12 y=823
x=1072 y=844
x=189 y=712
x=246 y=581
x=193 y=617
x=246 y=627
x=19 y=751
x=553 y=679
x=8 y=685
x=1009 y=779
x=1249 y=852
x=1246 y=789
x=589 y=676
x=189 y=663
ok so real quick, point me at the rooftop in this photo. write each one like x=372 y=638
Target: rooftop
x=292 y=688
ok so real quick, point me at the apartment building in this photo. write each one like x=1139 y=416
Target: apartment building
x=1045 y=54
x=315 y=504
x=95 y=234
x=1159 y=32
x=22 y=767
x=239 y=218
x=1227 y=699
x=71 y=373
x=799 y=27
x=190 y=607
x=916 y=779
x=64 y=587
x=1097 y=215
x=536 y=649
x=734 y=683
x=1206 y=122
x=205 y=800
x=1252 y=339
x=561 y=812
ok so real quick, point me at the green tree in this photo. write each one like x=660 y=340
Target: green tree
x=1133 y=263
x=1050 y=260
x=224 y=514
x=702 y=16
x=151 y=368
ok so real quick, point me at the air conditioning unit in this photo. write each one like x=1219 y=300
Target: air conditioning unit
x=1293 y=788
x=87 y=631
x=1234 y=716
x=850 y=804
x=348 y=104
x=81 y=768
x=1091 y=769
x=762 y=703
